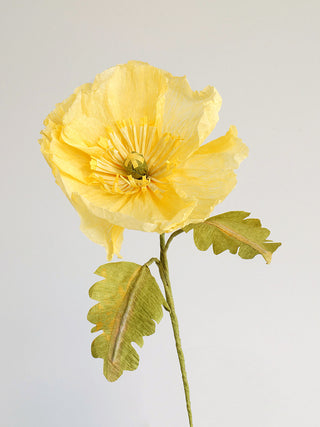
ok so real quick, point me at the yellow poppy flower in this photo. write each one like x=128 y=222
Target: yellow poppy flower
x=126 y=150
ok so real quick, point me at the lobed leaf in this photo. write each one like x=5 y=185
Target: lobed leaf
x=235 y=232
x=129 y=303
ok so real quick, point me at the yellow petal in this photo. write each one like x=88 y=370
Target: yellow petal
x=130 y=91
x=68 y=159
x=153 y=211
x=98 y=229
x=55 y=118
x=80 y=130
x=140 y=93
x=191 y=115
x=145 y=210
x=53 y=123
x=208 y=175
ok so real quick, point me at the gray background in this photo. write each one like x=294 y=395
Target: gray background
x=250 y=331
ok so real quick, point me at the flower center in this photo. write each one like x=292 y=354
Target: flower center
x=135 y=165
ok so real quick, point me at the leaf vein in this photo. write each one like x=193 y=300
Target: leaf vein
x=267 y=255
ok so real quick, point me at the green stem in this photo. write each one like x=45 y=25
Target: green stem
x=151 y=261
x=172 y=236
x=164 y=273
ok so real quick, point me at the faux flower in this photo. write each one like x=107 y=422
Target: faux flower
x=127 y=152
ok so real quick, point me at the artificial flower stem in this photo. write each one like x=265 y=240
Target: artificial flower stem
x=171 y=237
x=164 y=273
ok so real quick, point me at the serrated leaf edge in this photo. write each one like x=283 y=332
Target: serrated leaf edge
x=267 y=255
x=120 y=322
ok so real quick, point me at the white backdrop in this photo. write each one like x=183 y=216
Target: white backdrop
x=250 y=331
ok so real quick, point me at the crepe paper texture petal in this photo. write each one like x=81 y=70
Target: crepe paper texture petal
x=130 y=302
x=140 y=114
x=235 y=232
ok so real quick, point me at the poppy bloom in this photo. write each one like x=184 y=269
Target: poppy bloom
x=127 y=152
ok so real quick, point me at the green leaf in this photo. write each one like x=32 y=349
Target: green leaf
x=129 y=302
x=232 y=231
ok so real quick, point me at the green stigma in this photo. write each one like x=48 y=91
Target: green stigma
x=135 y=165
